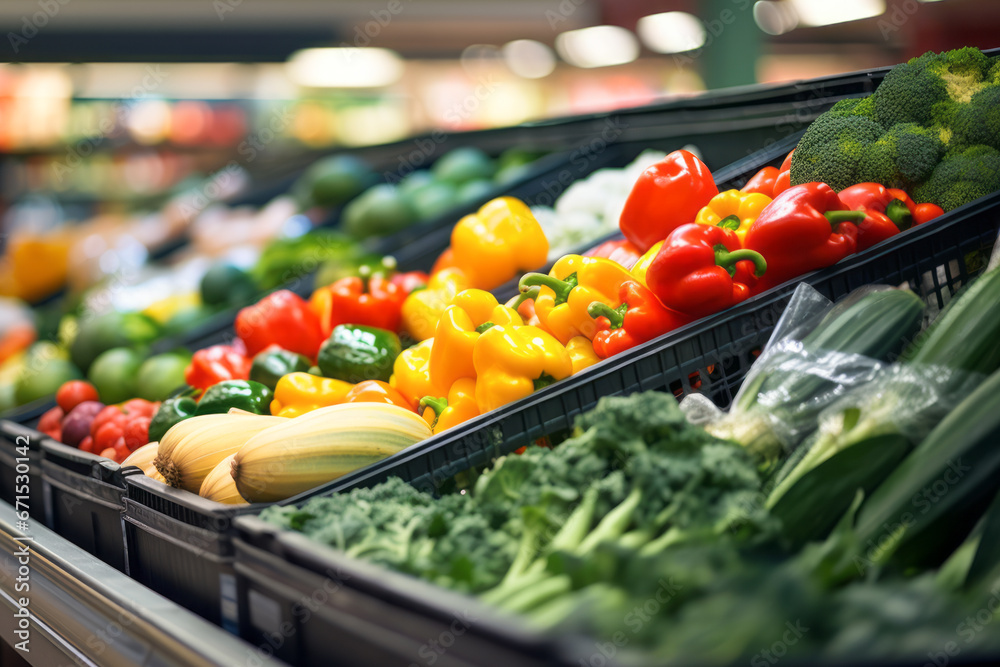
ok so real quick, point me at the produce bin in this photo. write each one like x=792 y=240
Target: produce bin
x=180 y=545
x=21 y=454
x=83 y=498
x=277 y=570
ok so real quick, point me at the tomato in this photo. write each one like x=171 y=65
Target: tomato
x=107 y=435
x=108 y=453
x=74 y=392
x=137 y=432
x=139 y=406
x=87 y=445
x=121 y=450
x=52 y=419
x=110 y=413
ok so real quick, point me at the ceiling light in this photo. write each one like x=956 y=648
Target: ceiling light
x=529 y=59
x=827 y=12
x=345 y=67
x=671 y=32
x=599 y=46
x=775 y=18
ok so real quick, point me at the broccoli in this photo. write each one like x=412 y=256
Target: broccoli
x=904 y=155
x=832 y=149
x=978 y=122
x=961 y=177
x=926 y=89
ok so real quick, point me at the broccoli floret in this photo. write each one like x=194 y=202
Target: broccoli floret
x=855 y=106
x=832 y=149
x=904 y=155
x=925 y=89
x=978 y=122
x=961 y=177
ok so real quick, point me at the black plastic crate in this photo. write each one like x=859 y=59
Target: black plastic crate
x=84 y=495
x=277 y=569
x=21 y=469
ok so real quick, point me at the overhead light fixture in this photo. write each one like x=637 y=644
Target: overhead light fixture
x=671 y=32
x=599 y=46
x=345 y=67
x=828 y=12
x=775 y=18
x=529 y=59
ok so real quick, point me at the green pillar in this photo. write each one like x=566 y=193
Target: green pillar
x=732 y=44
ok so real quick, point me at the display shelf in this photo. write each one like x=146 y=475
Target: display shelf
x=83 y=612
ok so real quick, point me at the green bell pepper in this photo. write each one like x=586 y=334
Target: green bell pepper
x=354 y=353
x=274 y=363
x=241 y=394
x=171 y=411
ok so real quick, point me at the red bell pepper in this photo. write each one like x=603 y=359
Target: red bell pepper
x=786 y=164
x=762 y=182
x=217 y=363
x=621 y=251
x=887 y=212
x=694 y=272
x=281 y=318
x=805 y=228
x=369 y=300
x=668 y=194
x=410 y=281
x=640 y=317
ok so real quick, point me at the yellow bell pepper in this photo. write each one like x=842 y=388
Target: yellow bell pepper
x=471 y=313
x=744 y=207
x=640 y=268
x=581 y=353
x=411 y=372
x=459 y=406
x=568 y=290
x=299 y=393
x=422 y=308
x=513 y=361
x=498 y=242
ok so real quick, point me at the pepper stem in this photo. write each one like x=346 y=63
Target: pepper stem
x=485 y=326
x=616 y=316
x=899 y=213
x=562 y=288
x=365 y=273
x=728 y=260
x=389 y=264
x=730 y=222
x=837 y=217
x=529 y=294
x=543 y=380
x=435 y=403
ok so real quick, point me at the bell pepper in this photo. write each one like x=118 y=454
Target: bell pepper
x=642 y=266
x=738 y=209
x=367 y=299
x=355 y=353
x=805 y=228
x=668 y=194
x=215 y=364
x=472 y=312
x=411 y=372
x=886 y=212
x=410 y=281
x=784 y=179
x=621 y=251
x=422 y=309
x=762 y=182
x=568 y=290
x=274 y=363
x=581 y=352
x=695 y=272
x=171 y=411
x=299 y=393
x=376 y=391
x=639 y=317
x=513 y=361
x=241 y=394
x=281 y=318
x=446 y=411
x=498 y=242
x=446 y=260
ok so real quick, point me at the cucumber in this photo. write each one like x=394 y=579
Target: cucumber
x=930 y=502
